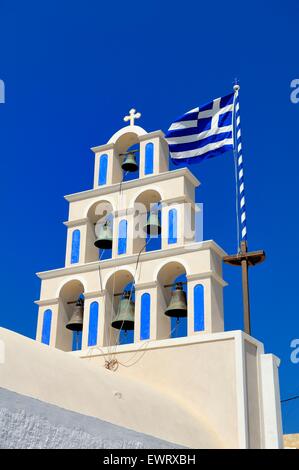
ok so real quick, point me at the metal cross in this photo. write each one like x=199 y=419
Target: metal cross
x=245 y=259
x=132 y=116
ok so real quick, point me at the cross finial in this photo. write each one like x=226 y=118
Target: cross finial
x=132 y=116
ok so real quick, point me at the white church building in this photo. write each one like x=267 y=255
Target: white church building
x=133 y=335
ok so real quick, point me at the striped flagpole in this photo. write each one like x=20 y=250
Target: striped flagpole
x=240 y=169
x=243 y=258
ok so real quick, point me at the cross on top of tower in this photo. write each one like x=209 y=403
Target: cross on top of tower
x=132 y=116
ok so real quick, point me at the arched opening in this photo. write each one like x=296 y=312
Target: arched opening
x=170 y=326
x=99 y=213
x=128 y=148
x=117 y=283
x=66 y=339
x=147 y=207
x=135 y=156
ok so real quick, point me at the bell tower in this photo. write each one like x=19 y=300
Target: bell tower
x=137 y=233
x=141 y=293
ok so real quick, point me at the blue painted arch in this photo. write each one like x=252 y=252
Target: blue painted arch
x=149 y=159
x=103 y=169
x=199 y=314
x=172 y=226
x=93 y=324
x=46 y=328
x=145 y=316
x=122 y=237
x=75 y=251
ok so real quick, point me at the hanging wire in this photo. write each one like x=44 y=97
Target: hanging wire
x=131 y=290
x=112 y=362
x=110 y=332
x=144 y=345
x=289 y=399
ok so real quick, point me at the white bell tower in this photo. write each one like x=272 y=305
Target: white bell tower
x=227 y=383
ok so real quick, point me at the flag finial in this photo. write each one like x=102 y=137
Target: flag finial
x=236 y=85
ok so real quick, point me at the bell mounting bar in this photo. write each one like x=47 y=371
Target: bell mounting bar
x=75 y=301
x=124 y=292
x=128 y=153
x=175 y=284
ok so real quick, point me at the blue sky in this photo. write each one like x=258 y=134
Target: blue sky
x=72 y=70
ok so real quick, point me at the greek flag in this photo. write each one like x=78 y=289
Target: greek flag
x=203 y=132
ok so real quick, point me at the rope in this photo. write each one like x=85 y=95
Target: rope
x=114 y=272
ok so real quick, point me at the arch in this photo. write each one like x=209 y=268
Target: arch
x=46 y=328
x=103 y=169
x=122 y=237
x=145 y=316
x=115 y=284
x=175 y=263
x=97 y=214
x=128 y=134
x=99 y=210
x=149 y=159
x=169 y=273
x=147 y=196
x=199 y=314
x=172 y=226
x=143 y=204
x=93 y=323
x=68 y=294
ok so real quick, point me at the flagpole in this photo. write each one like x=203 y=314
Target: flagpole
x=243 y=258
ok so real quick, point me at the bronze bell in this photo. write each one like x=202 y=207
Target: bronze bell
x=76 y=321
x=153 y=226
x=129 y=163
x=104 y=240
x=124 y=320
x=178 y=303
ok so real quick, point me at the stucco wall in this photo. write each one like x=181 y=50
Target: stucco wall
x=26 y=423
x=204 y=391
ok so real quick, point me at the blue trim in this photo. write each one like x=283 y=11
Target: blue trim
x=149 y=159
x=172 y=226
x=103 y=167
x=46 y=330
x=122 y=237
x=199 y=316
x=200 y=158
x=75 y=254
x=198 y=144
x=93 y=324
x=145 y=316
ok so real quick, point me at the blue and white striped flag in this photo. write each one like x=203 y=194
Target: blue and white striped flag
x=203 y=132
